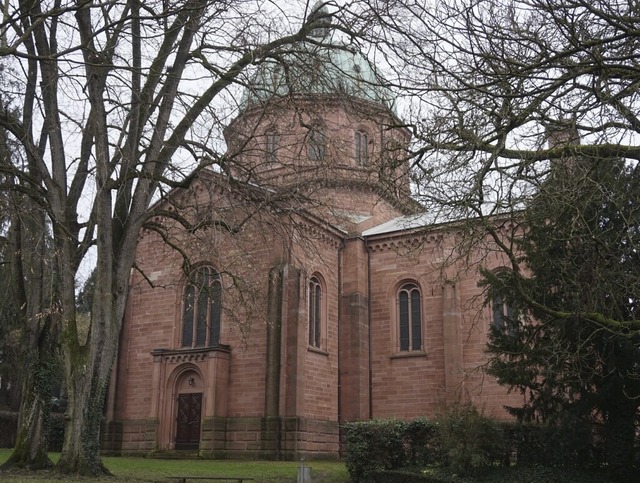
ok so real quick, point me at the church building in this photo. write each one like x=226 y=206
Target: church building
x=300 y=286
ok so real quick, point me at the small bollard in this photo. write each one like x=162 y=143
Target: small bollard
x=304 y=472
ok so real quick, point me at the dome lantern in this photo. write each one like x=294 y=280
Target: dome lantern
x=324 y=65
x=321 y=20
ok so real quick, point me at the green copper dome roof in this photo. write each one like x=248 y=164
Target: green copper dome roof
x=319 y=66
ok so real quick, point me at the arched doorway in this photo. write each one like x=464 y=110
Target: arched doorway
x=188 y=414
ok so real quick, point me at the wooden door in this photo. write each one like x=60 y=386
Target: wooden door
x=188 y=427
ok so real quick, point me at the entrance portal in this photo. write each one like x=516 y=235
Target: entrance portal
x=188 y=424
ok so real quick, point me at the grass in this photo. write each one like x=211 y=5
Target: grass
x=157 y=470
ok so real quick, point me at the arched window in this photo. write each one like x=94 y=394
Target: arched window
x=361 y=147
x=315 y=312
x=202 y=309
x=272 y=140
x=316 y=146
x=409 y=317
x=504 y=317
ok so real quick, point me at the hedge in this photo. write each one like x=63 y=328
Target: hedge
x=398 y=476
x=464 y=442
x=389 y=444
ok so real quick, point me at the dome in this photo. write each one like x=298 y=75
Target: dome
x=321 y=65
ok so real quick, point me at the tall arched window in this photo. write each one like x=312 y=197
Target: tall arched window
x=361 y=147
x=202 y=309
x=409 y=318
x=316 y=144
x=504 y=317
x=272 y=140
x=315 y=312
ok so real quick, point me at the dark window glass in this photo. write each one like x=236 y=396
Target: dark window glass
x=202 y=309
x=361 y=147
x=315 y=311
x=498 y=312
x=187 y=318
x=216 y=313
x=410 y=318
x=416 y=321
x=504 y=317
x=271 y=146
x=404 y=320
x=316 y=145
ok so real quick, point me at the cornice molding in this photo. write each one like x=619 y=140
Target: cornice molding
x=198 y=354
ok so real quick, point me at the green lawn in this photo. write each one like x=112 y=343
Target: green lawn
x=156 y=470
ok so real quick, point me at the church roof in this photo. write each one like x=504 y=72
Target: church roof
x=401 y=223
x=321 y=65
x=433 y=218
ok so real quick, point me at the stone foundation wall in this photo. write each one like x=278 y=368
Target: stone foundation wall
x=129 y=437
x=236 y=438
x=270 y=438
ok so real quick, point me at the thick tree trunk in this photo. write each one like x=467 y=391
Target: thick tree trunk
x=30 y=450
x=28 y=247
x=80 y=453
x=87 y=369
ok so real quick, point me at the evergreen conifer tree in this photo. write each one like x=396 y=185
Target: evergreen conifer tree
x=573 y=292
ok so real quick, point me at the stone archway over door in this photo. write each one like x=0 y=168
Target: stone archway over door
x=190 y=388
x=188 y=424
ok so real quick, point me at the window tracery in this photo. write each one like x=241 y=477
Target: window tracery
x=202 y=309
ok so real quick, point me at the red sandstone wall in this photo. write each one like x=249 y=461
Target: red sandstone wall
x=320 y=373
x=154 y=319
x=404 y=385
x=150 y=323
x=339 y=119
x=412 y=384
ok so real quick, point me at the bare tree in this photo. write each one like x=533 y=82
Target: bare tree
x=498 y=92
x=492 y=87
x=119 y=101
x=26 y=304
x=29 y=284
x=502 y=96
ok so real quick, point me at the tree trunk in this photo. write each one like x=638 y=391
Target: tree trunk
x=28 y=272
x=87 y=368
x=30 y=450
x=80 y=453
x=59 y=172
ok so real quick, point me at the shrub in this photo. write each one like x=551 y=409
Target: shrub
x=465 y=446
x=422 y=441
x=536 y=474
x=462 y=439
x=389 y=445
x=469 y=439
x=374 y=445
x=397 y=476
